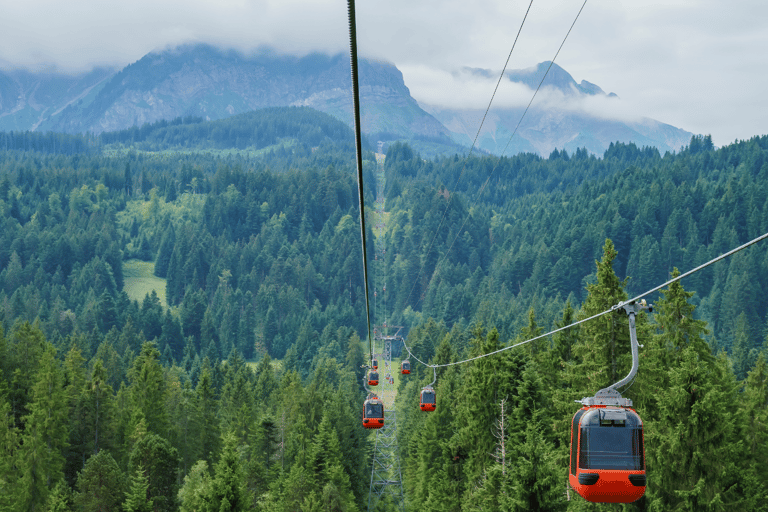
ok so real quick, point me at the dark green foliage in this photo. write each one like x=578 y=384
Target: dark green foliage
x=147 y=391
x=153 y=465
x=44 y=440
x=254 y=130
x=100 y=485
x=261 y=258
x=138 y=498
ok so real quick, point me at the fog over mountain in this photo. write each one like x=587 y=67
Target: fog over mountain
x=565 y=114
x=201 y=80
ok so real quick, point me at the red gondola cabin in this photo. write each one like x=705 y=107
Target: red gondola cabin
x=607 y=454
x=427 y=400
x=405 y=367
x=373 y=413
x=373 y=378
x=375 y=364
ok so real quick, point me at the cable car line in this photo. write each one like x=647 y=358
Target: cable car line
x=359 y=158
x=471 y=149
x=700 y=267
x=611 y=310
x=542 y=79
x=495 y=89
x=490 y=175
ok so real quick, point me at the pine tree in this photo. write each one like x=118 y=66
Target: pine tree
x=155 y=459
x=100 y=485
x=196 y=490
x=9 y=446
x=147 y=390
x=45 y=435
x=694 y=456
x=137 y=499
x=227 y=491
x=536 y=475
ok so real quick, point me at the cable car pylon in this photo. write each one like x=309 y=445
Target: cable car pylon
x=386 y=477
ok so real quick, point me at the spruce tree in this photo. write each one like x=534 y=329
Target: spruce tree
x=207 y=407
x=196 y=489
x=137 y=499
x=487 y=381
x=754 y=402
x=694 y=454
x=9 y=463
x=155 y=459
x=602 y=352
x=100 y=485
x=41 y=462
x=324 y=461
x=147 y=390
x=536 y=475
x=228 y=492
x=60 y=499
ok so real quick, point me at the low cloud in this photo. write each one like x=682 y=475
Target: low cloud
x=77 y=36
x=470 y=90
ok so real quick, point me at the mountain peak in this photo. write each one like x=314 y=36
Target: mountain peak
x=557 y=77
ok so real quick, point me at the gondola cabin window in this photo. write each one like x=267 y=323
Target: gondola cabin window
x=374 y=410
x=611 y=439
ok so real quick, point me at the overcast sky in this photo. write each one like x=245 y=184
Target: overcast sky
x=698 y=65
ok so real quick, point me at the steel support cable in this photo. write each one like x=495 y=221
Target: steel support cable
x=542 y=79
x=490 y=175
x=359 y=158
x=611 y=310
x=471 y=149
x=700 y=267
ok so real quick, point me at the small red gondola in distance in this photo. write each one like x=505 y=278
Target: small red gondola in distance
x=373 y=378
x=405 y=367
x=373 y=412
x=375 y=364
x=427 y=400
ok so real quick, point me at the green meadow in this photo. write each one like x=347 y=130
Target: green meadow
x=140 y=280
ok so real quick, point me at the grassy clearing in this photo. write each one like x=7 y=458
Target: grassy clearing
x=276 y=364
x=140 y=280
x=249 y=152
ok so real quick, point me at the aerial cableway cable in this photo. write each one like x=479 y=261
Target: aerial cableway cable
x=359 y=159
x=471 y=149
x=490 y=174
x=542 y=80
x=611 y=310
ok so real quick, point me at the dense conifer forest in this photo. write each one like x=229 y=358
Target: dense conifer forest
x=242 y=390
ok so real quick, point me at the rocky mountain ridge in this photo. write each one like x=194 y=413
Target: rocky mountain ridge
x=201 y=80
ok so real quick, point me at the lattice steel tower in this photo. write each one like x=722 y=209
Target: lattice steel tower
x=386 y=491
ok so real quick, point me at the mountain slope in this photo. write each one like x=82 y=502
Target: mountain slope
x=207 y=82
x=28 y=99
x=210 y=83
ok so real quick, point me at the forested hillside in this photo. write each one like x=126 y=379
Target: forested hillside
x=246 y=386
